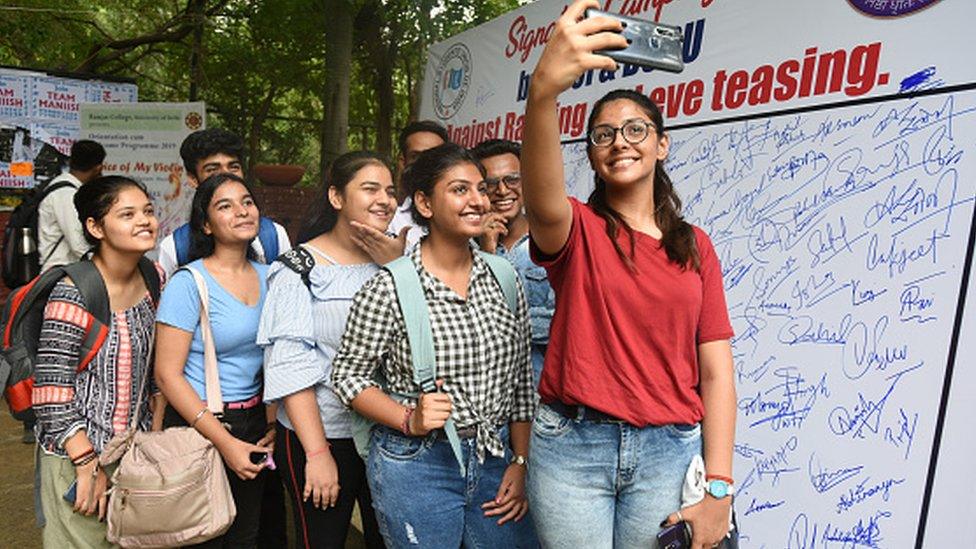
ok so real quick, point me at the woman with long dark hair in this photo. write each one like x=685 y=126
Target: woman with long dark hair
x=429 y=487
x=223 y=222
x=638 y=376
x=310 y=291
x=78 y=412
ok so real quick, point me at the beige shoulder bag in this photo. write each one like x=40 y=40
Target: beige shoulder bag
x=170 y=488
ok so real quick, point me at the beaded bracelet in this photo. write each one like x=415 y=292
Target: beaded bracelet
x=82 y=458
x=88 y=458
x=405 y=426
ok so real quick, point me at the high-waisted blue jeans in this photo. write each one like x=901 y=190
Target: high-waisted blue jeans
x=421 y=499
x=605 y=485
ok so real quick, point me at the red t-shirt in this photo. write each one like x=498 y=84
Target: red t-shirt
x=626 y=343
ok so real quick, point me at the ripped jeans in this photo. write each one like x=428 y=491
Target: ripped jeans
x=421 y=499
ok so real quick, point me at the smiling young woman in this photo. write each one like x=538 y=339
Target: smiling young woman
x=301 y=325
x=651 y=384
x=223 y=222
x=484 y=377
x=78 y=412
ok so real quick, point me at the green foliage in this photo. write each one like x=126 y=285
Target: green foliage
x=260 y=63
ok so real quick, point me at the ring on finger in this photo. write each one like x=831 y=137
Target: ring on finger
x=680 y=518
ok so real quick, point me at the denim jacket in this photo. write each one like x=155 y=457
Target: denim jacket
x=539 y=295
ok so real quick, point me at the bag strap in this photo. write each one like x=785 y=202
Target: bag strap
x=90 y=284
x=215 y=402
x=181 y=244
x=268 y=235
x=150 y=275
x=53 y=249
x=301 y=261
x=505 y=275
x=413 y=306
x=134 y=422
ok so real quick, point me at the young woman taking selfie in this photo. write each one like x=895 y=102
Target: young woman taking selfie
x=638 y=377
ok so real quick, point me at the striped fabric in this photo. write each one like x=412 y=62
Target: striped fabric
x=100 y=398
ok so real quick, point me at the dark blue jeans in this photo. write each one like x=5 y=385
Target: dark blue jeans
x=422 y=500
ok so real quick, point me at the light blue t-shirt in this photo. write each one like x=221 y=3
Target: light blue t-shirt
x=234 y=326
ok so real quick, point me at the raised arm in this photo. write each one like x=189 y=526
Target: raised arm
x=568 y=54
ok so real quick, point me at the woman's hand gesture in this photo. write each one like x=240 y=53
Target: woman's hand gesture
x=569 y=52
x=237 y=456
x=709 y=521
x=321 y=480
x=90 y=496
x=432 y=412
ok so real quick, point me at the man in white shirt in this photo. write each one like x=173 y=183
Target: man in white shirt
x=414 y=139
x=205 y=153
x=60 y=238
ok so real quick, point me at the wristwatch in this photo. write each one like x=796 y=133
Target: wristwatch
x=719 y=488
x=520 y=460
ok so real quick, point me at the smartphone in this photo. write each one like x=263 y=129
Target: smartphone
x=650 y=44
x=675 y=536
x=71 y=493
x=265 y=457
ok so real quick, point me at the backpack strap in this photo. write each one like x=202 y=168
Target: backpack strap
x=301 y=261
x=150 y=275
x=268 y=236
x=91 y=286
x=181 y=243
x=505 y=275
x=49 y=188
x=413 y=305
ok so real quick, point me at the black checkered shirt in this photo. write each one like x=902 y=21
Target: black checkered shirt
x=481 y=347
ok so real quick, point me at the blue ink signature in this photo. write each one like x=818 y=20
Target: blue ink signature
x=866 y=414
x=863 y=492
x=905 y=435
x=823 y=479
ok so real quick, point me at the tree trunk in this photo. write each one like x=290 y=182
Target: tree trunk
x=381 y=35
x=338 y=70
x=257 y=127
x=195 y=11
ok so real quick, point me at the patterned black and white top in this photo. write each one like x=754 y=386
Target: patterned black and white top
x=481 y=348
x=100 y=399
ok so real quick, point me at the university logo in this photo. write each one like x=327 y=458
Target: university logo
x=890 y=8
x=193 y=120
x=451 y=81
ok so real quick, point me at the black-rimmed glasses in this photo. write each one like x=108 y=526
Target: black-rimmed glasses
x=512 y=181
x=633 y=131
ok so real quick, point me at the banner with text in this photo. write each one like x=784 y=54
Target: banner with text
x=43 y=110
x=828 y=150
x=143 y=142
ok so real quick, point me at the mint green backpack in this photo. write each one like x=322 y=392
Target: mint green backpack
x=413 y=305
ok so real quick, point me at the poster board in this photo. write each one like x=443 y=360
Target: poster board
x=828 y=149
x=45 y=109
x=142 y=141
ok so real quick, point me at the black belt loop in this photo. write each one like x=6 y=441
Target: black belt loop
x=582 y=413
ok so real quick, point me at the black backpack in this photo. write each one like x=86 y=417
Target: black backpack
x=20 y=259
x=23 y=314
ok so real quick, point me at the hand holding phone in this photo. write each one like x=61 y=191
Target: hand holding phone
x=675 y=536
x=263 y=457
x=71 y=494
x=650 y=44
